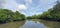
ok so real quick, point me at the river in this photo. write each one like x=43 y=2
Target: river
x=35 y=23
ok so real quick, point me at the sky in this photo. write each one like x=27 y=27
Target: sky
x=28 y=7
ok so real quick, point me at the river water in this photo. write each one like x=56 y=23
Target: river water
x=32 y=24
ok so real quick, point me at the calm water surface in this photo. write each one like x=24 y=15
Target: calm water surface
x=31 y=24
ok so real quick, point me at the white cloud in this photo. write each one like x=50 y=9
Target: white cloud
x=23 y=13
x=28 y=1
x=35 y=13
x=22 y=7
x=1 y=3
x=12 y=5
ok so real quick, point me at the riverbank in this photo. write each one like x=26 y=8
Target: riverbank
x=11 y=21
x=33 y=23
x=29 y=19
x=16 y=24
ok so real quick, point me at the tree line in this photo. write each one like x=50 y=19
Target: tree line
x=8 y=16
x=52 y=14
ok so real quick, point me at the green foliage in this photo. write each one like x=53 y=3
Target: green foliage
x=7 y=15
x=32 y=17
x=51 y=14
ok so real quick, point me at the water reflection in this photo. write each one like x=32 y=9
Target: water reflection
x=40 y=24
x=51 y=24
x=33 y=24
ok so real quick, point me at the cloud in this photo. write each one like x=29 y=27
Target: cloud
x=34 y=13
x=1 y=3
x=28 y=7
x=22 y=7
x=39 y=8
x=13 y=5
x=58 y=1
x=28 y=1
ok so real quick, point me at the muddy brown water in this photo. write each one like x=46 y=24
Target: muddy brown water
x=31 y=24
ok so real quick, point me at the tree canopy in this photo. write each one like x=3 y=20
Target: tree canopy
x=51 y=14
x=8 y=15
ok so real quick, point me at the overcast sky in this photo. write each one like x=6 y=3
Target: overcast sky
x=28 y=7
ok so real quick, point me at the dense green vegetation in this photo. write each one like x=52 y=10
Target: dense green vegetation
x=52 y=14
x=8 y=16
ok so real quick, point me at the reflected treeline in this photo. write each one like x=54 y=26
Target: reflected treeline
x=53 y=14
x=50 y=24
x=33 y=24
